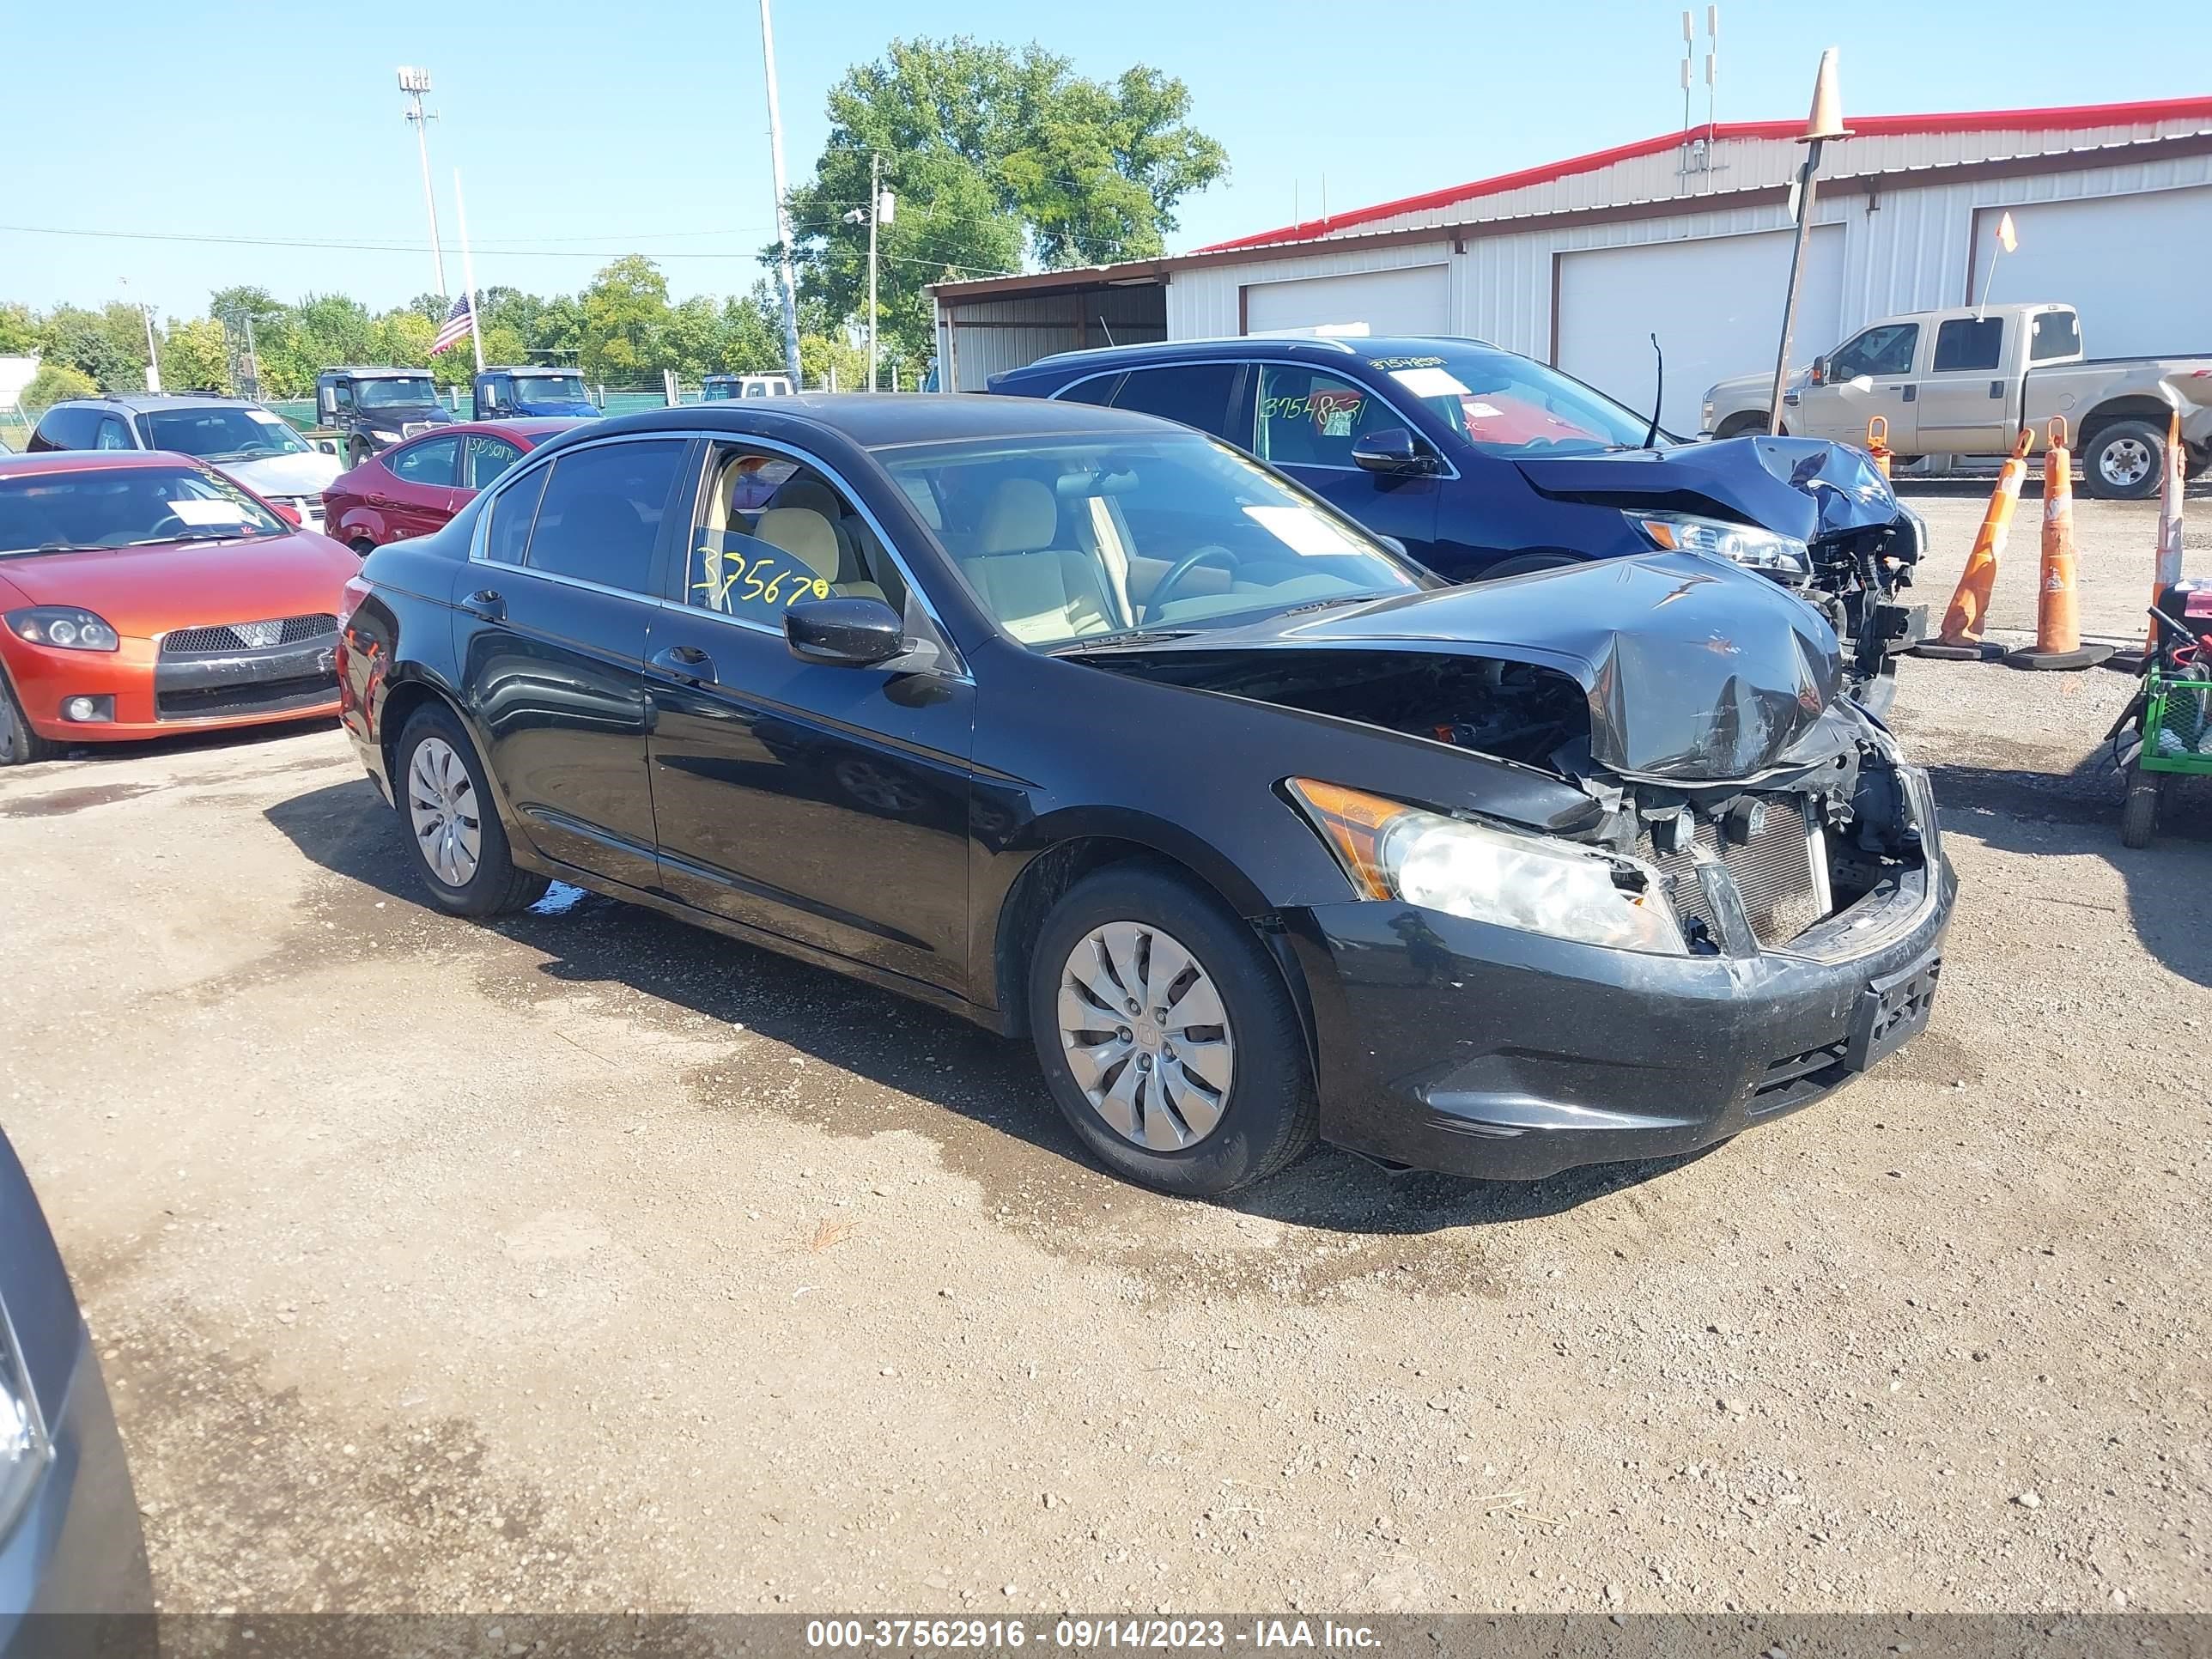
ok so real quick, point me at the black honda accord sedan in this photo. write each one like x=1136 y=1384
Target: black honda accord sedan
x=1091 y=728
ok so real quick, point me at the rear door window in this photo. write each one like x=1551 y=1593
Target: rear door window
x=600 y=519
x=1098 y=389
x=1963 y=344
x=66 y=429
x=486 y=460
x=429 y=463
x=112 y=435
x=1196 y=394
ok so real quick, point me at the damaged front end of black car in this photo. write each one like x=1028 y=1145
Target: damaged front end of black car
x=1862 y=546
x=1730 y=900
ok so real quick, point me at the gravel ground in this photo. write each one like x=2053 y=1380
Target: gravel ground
x=590 y=1261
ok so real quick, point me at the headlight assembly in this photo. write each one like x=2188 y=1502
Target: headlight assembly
x=24 y=1451
x=1740 y=543
x=63 y=626
x=1392 y=851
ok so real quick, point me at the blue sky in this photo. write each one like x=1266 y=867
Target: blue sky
x=591 y=130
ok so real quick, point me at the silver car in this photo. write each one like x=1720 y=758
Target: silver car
x=254 y=444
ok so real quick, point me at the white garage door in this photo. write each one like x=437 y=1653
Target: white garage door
x=1416 y=299
x=2132 y=266
x=1715 y=303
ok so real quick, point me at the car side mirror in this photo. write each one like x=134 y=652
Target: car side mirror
x=1393 y=449
x=287 y=512
x=328 y=446
x=845 y=632
x=1818 y=374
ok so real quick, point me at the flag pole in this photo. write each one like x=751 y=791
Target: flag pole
x=468 y=269
x=1996 y=254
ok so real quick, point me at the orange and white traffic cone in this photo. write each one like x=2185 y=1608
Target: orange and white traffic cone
x=1961 y=638
x=2057 y=600
x=1878 y=443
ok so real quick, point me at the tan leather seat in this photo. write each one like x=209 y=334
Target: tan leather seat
x=1038 y=593
x=808 y=538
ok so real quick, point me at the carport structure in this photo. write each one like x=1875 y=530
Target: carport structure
x=1686 y=235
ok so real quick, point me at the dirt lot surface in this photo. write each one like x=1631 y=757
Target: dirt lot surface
x=590 y=1261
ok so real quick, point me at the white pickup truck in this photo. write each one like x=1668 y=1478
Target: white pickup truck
x=1964 y=382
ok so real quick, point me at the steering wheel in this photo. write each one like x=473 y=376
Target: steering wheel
x=160 y=530
x=1212 y=552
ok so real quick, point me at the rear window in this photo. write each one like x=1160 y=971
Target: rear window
x=1969 y=343
x=2053 y=334
x=601 y=514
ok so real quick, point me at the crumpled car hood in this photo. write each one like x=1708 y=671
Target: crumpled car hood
x=1696 y=672
x=1807 y=488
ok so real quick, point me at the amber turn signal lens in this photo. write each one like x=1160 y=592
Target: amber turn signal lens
x=1352 y=824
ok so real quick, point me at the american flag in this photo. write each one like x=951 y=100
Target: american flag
x=454 y=329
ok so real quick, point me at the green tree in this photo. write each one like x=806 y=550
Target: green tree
x=995 y=155
x=19 y=331
x=108 y=346
x=194 y=356
x=52 y=383
x=626 y=323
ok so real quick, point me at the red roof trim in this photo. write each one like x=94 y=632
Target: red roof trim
x=1869 y=126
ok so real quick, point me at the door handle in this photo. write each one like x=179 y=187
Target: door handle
x=486 y=605
x=1912 y=391
x=687 y=663
x=1996 y=388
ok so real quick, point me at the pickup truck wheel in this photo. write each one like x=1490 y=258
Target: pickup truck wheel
x=2124 y=462
x=357 y=451
x=1752 y=425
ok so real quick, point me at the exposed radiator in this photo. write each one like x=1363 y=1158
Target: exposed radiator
x=1779 y=871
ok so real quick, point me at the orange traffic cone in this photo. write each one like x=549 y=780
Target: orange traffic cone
x=1878 y=443
x=2057 y=609
x=1961 y=638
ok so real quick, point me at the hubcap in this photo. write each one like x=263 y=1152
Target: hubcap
x=1146 y=1035
x=2126 y=462
x=442 y=800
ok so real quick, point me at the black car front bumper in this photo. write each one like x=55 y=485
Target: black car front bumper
x=1481 y=1050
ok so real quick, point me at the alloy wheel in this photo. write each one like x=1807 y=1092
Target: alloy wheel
x=2124 y=462
x=1146 y=1035
x=441 y=803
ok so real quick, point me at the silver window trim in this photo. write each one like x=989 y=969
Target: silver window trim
x=1450 y=471
x=956 y=666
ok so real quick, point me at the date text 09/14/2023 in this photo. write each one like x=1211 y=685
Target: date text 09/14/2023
x=1085 y=1634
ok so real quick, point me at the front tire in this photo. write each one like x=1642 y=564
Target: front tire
x=445 y=808
x=2139 y=811
x=1752 y=425
x=2124 y=462
x=19 y=744
x=358 y=452
x=1167 y=1035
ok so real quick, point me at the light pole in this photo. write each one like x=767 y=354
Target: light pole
x=415 y=82
x=881 y=207
x=782 y=209
x=1826 y=122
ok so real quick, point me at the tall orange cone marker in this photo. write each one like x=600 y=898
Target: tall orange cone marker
x=2057 y=608
x=2166 y=562
x=1961 y=638
x=1878 y=443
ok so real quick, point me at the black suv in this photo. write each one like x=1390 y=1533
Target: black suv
x=1482 y=463
x=377 y=408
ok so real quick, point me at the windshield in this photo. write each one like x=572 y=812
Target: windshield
x=716 y=391
x=1071 y=540
x=216 y=434
x=409 y=392
x=125 y=506
x=550 y=389
x=1505 y=404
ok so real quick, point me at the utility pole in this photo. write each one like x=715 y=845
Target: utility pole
x=1826 y=122
x=415 y=82
x=875 y=212
x=782 y=207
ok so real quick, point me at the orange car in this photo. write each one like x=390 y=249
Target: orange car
x=143 y=594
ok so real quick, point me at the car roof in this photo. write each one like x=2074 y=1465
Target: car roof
x=527 y=426
x=1314 y=348
x=528 y=368
x=378 y=368
x=881 y=420
x=148 y=400
x=91 y=460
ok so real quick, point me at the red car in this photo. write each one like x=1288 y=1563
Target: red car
x=413 y=489
x=143 y=594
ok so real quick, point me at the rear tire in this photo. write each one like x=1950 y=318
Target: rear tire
x=1264 y=1116
x=2124 y=462
x=2139 y=812
x=447 y=814
x=19 y=744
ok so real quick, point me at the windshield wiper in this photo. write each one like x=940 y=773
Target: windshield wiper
x=1330 y=604
x=1126 y=636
